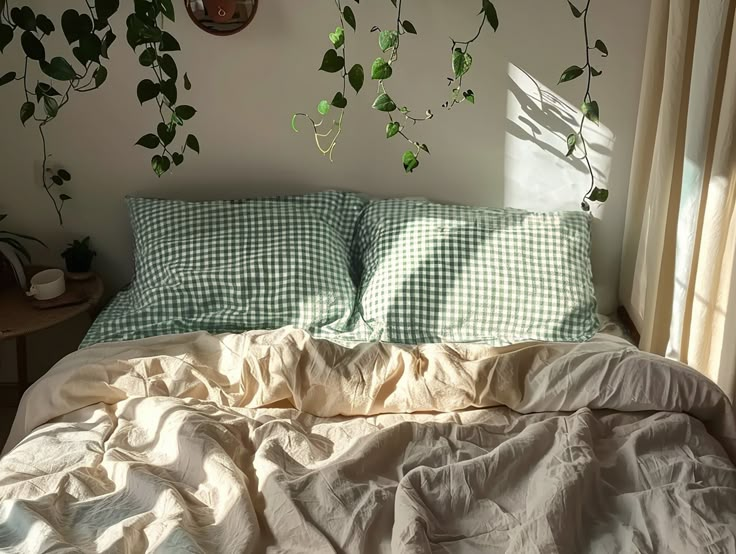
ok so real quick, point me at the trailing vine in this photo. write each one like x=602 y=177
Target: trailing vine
x=462 y=60
x=382 y=69
x=89 y=36
x=590 y=108
x=334 y=61
x=145 y=30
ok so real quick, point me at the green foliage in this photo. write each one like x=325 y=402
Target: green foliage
x=145 y=33
x=15 y=241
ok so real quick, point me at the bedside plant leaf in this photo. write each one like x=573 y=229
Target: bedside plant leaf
x=384 y=103
x=410 y=162
x=356 y=76
x=149 y=141
x=27 y=110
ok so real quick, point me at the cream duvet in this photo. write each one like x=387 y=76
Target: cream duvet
x=273 y=441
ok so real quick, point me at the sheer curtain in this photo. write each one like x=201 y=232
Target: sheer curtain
x=678 y=279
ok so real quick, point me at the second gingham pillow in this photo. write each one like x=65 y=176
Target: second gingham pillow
x=437 y=273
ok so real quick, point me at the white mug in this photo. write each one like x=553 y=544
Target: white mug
x=47 y=284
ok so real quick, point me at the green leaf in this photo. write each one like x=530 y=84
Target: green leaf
x=356 y=76
x=381 y=69
x=424 y=147
x=64 y=174
x=469 y=96
x=75 y=25
x=147 y=57
x=167 y=8
x=168 y=89
x=26 y=111
x=44 y=89
x=595 y=72
x=572 y=140
x=51 y=106
x=147 y=90
x=293 y=123
x=601 y=47
x=490 y=12
x=6 y=36
x=168 y=43
x=192 y=143
x=167 y=63
x=100 y=76
x=64 y=197
x=187 y=82
x=572 y=72
x=331 y=62
x=185 y=112
x=176 y=120
x=410 y=161
x=323 y=107
x=392 y=129
x=44 y=24
x=149 y=141
x=24 y=18
x=107 y=41
x=32 y=46
x=339 y=101
x=387 y=40
x=576 y=12
x=384 y=103
x=157 y=163
x=106 y=9
x=7 y=78
x=57 y=180
x=599 y=195
x=349 y=16
x=59 y=69
x=178 y=158
x=591 y=111
x=461 y=62
x=409 y=27
x=338 y=37
x=166 y=133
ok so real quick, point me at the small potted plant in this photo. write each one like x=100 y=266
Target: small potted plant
x=78 y=256
x=12 y=254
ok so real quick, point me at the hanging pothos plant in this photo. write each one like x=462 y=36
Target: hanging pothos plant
x=48 y=82
x=327 y=129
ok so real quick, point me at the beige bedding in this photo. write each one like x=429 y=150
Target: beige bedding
x=272 y=441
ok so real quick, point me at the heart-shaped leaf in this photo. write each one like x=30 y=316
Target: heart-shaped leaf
x=185 y=112
x=192 y=143
x=461 y=62
x=32 y=47
x=166 y=133
x=323 y=107
x=599 y=195
x=7 y=78
x=75 y=25
x=106 y=9
x=349 y=16
x=575 y=11
x=58 y=181
x=100 y=76
x=489 y=10
x=356 y=76
x=384 y=103
x=338 y=37
x=44 y=24
x=187 y=82
x=387 y=39
x=591 y=111
x=59 y=69
x=572 y=72
x=167 y=63
x=168 y=43
x=178 y=158
x=409 y=27
x=392 y=129
x=168 y=89
x=26 y=111
x=410 y=161
x=572 y=140
x=601 y=47
x=147 y=90
x=24 y=18
x=6 y=36
x=147 y=57
x=595 y=72
x=331 y=62
x=381 y=70
x=339 y=101
x=469 y=95
x=149 y=141
x=51 y=106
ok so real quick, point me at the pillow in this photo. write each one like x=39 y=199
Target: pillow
x=436 y=273
x=231 y=266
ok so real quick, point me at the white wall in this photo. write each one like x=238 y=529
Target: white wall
x=508 y=149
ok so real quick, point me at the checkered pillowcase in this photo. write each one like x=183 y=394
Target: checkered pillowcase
x=436 y=273
x=231 y=266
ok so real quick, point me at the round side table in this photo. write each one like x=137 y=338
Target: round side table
x=19 y=317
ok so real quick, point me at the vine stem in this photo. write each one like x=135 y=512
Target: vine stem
x=467 y=44
x=587 y=98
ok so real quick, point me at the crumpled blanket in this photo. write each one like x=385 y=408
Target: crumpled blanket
x=275 y=441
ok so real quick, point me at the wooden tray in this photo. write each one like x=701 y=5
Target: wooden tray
x=69 y=298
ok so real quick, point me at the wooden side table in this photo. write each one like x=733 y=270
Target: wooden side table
x=19 y=318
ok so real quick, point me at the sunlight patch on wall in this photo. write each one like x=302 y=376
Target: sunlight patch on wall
x=538 y=175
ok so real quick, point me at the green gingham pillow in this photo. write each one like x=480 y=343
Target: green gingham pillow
x=436 y=273
x=230 y=266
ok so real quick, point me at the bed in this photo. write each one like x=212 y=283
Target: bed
x=367 y=433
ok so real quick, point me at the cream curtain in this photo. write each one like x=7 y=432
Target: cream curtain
x=678 y=279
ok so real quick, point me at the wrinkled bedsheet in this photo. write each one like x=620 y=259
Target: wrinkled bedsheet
x=274 y=441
